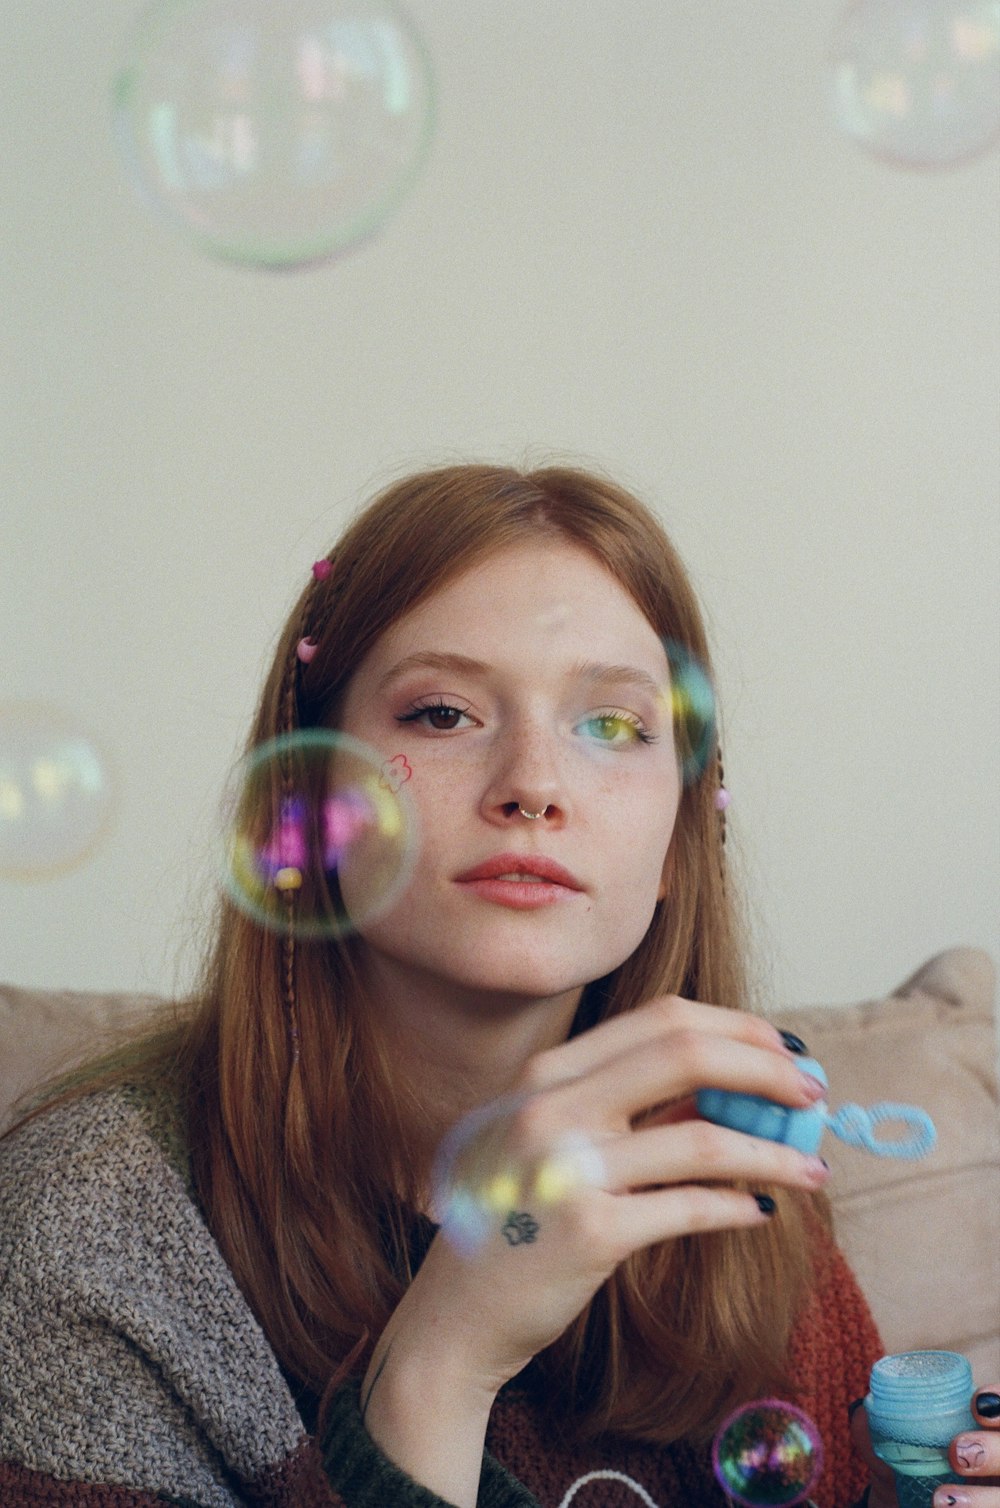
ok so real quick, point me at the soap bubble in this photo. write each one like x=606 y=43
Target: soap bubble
x=55 y=792
x=481 y=1184
x=274 y=133
x=320 y=836
x=768 y=1452
x=917 y=82
x=692 y=709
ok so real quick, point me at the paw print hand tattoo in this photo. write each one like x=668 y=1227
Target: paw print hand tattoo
x=520 y=1229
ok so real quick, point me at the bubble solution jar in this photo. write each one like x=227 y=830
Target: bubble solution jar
x=919 y=1401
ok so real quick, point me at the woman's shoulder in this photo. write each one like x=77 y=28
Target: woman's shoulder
x=89 y=1146
x=92 y=1187
x=127 y=1351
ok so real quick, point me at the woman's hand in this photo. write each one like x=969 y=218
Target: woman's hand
x=626 y=1088
x=473 y=1318
x=974 y=1455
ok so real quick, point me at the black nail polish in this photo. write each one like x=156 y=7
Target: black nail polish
x=852 y=1408
x=795 y=1044
x=765 y=1204
x=987 y=1405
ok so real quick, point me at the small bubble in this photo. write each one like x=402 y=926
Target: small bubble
x=917 y=82
x=56 y=792
x=768 y=1452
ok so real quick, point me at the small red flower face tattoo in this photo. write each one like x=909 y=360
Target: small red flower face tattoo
x=395 y=772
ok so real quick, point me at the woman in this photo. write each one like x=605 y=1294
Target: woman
x=224 y=1282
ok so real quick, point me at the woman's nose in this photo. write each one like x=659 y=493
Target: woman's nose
x=528 y=782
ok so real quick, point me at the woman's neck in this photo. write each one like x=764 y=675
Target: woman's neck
x=458 y=1048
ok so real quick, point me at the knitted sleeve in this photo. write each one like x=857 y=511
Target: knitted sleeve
x=132 y=1371
x=365 y=1478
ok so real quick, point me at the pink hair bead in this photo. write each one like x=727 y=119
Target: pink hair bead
x=306 y=650
x=322 y=569
x=722 y=799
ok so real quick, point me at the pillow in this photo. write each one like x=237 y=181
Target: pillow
x=43 y=1032
x=923 y=1237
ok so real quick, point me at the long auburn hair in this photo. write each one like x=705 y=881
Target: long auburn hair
x=296 y=1115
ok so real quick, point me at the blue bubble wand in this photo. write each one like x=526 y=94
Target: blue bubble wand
x=803 y=1129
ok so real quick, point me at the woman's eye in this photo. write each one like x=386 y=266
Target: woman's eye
x=615 y=728
x=439 y=716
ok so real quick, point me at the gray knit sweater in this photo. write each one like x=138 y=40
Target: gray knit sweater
x=129 y=1359
x=133 y=1372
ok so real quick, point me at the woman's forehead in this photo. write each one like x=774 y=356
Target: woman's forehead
x=548 y=592
x=544 y=604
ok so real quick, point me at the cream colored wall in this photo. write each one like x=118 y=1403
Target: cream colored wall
x=638 y=241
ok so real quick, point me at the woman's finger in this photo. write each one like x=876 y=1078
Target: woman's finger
x=986 y=1407
x=697 y=1150
x=685 y=1209
x=616 y=1091
x=646 y=1026
x=975 y=1455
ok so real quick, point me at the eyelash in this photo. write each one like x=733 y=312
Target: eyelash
x=638 y=728
x=418 y=711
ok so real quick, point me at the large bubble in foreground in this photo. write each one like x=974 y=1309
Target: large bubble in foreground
x=484 y=1183
x=320 y=837
x=692 y=710
x=275 y=133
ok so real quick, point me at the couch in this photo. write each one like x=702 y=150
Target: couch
x=923 y=1237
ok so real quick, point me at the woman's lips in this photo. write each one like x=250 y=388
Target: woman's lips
x=520 y=881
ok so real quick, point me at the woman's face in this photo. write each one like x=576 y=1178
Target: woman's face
x=530 y=681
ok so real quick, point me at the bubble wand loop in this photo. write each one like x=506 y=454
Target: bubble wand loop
x=857 y=1127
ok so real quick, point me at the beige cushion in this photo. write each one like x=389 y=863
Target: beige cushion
x=923 y=1237
x=43 y=1032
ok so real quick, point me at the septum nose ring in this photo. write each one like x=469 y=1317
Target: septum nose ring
x=532 y=816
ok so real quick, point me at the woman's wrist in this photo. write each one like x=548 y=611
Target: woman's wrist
x=429 y=1420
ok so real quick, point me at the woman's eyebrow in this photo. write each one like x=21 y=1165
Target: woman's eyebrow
x=429 y=660
x=621 y=675
x=593 y=671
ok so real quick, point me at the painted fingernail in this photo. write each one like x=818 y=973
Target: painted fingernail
x=951 y=1499
x=852 y=1408
x=794 y=1044
x=765 y=1204
x=987 y=1405
x=970 y=1453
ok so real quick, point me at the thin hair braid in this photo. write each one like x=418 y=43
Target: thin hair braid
x=313 y=615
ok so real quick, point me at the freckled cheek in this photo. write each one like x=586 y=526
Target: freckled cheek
x=437 y=789
x=648 y=831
